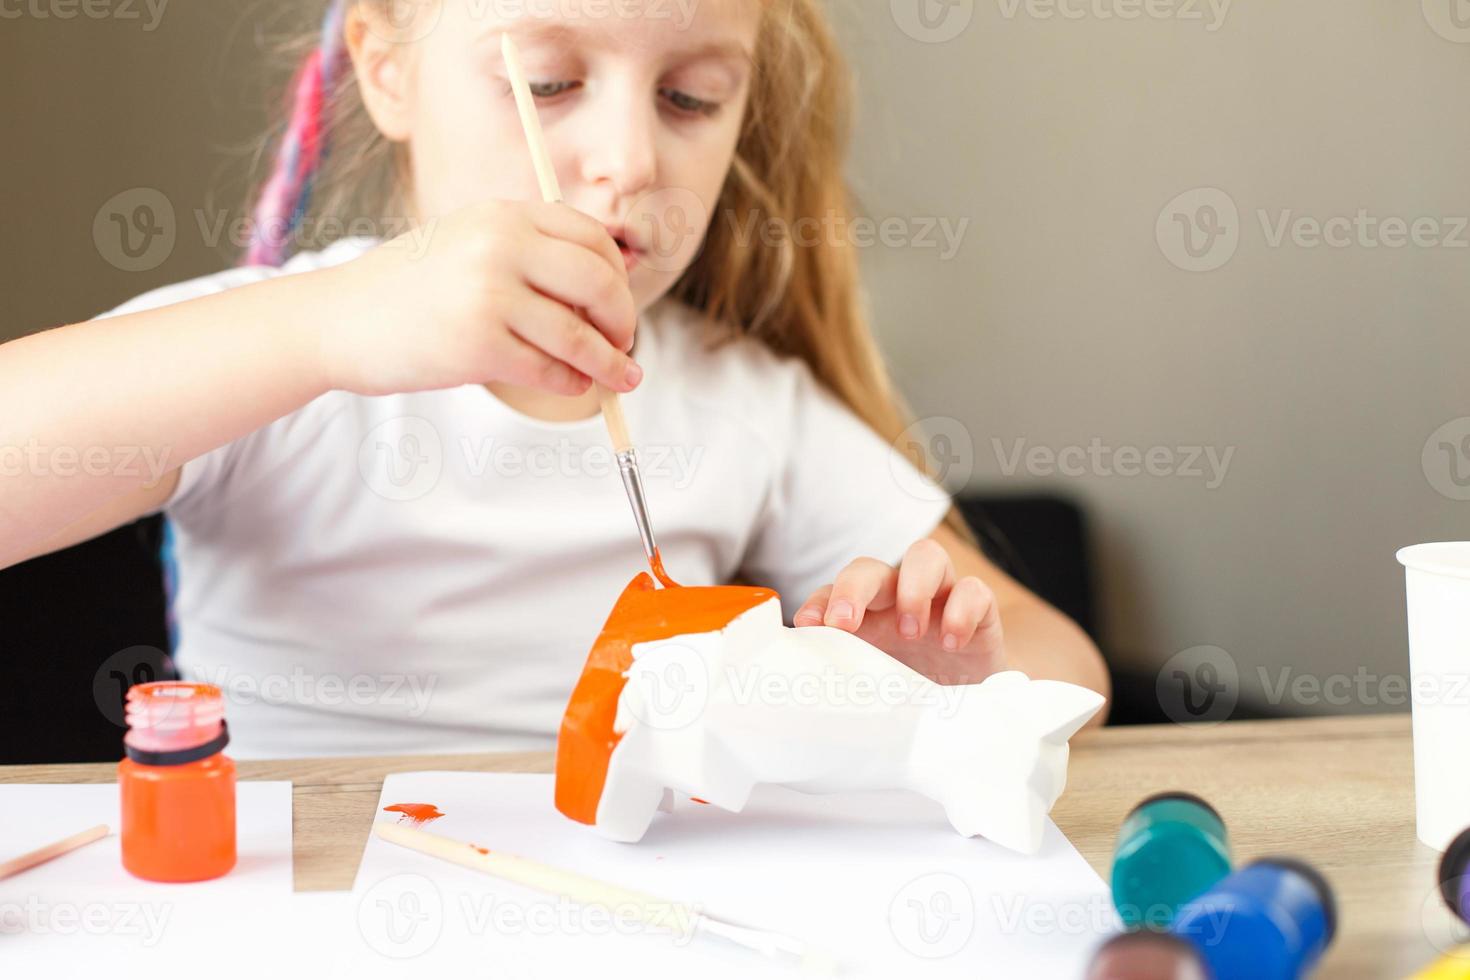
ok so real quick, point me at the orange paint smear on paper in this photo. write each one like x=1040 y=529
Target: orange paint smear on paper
x=643 y=613
x=698 y=800
x=479 y=849
x=414 y=814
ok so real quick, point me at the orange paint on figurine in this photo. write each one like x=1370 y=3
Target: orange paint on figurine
x=657 y=564
x=643 y=614
x=414 y=814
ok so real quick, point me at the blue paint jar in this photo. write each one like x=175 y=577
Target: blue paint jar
x=1271 y=920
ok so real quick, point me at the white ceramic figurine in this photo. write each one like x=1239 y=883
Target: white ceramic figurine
x=705 y=692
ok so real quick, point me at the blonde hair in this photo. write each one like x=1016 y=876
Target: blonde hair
x=800 y=299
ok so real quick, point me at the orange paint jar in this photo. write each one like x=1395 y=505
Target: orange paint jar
x=177 y=786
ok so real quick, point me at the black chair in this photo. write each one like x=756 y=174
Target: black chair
x=77 y=627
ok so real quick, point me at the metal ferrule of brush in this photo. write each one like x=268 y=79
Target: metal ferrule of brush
x=633 y=483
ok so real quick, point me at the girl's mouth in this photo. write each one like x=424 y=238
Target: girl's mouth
x=630 y=254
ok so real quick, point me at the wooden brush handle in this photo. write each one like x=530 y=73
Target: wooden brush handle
x=612 y=406
x=622 y=902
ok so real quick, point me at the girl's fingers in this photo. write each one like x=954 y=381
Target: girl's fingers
x=865 y=583
x=925 y=574
x=557 y=331
x=579 y=279
x=521 y=363
x=811 y=611
x=567 y=223
x=971 y=613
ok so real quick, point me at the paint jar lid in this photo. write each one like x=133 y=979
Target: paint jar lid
x=169 y=717
x=1318 y=882
x=1182 y=796
x=1146 y=953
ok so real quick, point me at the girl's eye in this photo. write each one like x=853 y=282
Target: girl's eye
x=689 y=104
x=550 y=90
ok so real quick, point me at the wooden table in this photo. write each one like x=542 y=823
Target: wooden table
x=1336 y=791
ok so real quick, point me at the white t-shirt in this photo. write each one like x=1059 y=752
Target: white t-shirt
x=427 y=572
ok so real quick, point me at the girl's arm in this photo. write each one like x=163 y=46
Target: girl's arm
x=952 y=615
x=101 y=415
x=96 y=419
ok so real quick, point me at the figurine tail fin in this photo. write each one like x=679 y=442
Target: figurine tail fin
x=997 y=760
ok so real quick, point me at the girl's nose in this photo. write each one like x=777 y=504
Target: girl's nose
x=619 y=143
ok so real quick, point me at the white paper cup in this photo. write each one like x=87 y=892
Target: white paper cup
x=1438 y=584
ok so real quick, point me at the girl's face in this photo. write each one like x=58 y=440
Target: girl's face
x=641 y=102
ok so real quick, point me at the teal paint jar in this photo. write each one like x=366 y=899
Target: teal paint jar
x=1171 y=848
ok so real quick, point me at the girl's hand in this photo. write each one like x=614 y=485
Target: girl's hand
x=947 y=629
x=488 y=294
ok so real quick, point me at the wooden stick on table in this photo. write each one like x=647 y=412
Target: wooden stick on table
x=683 y=920
x=43 y=854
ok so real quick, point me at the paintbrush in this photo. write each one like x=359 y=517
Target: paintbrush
x=612 y=406
x=683 y=921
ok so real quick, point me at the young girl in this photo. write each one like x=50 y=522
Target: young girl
x=397 y=524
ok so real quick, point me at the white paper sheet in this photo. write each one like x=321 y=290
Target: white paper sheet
x=82 y=912
x=879 y=880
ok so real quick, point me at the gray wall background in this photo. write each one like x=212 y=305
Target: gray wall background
x=1060 y=132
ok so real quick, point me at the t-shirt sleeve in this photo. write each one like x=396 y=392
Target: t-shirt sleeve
x=839 y=492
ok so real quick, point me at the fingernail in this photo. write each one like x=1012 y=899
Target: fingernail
x=809 y=612
x=633 y=375
x=951 y=642
x=908 y=625
x=841 y=611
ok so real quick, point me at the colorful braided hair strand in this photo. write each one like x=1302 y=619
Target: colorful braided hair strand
x=287 y=193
